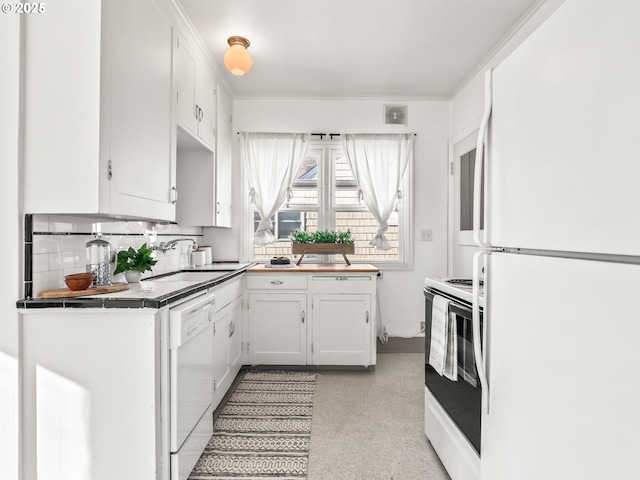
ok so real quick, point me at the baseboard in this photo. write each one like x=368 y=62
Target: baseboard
x=310 y=368
x=402 y=345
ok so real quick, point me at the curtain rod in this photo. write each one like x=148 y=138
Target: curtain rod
x=330 y=135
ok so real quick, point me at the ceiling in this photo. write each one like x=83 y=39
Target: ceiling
x=357 y=48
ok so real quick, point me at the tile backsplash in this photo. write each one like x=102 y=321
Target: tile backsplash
x=55 y=246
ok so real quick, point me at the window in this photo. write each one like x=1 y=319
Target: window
x=284 y=222
x=467 y=171
x=325 y=196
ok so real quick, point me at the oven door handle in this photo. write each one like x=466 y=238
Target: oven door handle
x=478 y=347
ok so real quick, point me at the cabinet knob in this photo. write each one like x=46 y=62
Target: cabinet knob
x=217 y=207
x=174 y=195
x=303 y=315
x=277 y=282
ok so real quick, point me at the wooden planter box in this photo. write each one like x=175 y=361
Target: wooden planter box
x=323 y=249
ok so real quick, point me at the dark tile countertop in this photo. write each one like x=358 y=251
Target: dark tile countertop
x=146 y=294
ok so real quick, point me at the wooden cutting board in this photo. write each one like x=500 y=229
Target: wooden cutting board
x=65 y=292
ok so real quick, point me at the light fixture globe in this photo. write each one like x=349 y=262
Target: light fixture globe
x=237 y=58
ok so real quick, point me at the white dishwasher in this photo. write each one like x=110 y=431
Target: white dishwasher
x=191 y=360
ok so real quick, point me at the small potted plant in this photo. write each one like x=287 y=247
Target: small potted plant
x=322 y=242
x=134 y=262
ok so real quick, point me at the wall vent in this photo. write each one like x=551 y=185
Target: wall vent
x=396 y=115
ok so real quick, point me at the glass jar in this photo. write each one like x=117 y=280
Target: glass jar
x=99 y=261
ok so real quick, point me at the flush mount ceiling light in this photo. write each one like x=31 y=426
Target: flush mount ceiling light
x=237 y=58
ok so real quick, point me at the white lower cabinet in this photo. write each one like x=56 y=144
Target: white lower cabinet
x=277 y=328
x=310 y=319
x=220 y=355
x=235 y=336
x=341 y=329
x=95 y=398
x=227 y=338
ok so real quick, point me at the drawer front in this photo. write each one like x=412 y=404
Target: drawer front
x=227 y=293
x=343 y=283
x=276 y=282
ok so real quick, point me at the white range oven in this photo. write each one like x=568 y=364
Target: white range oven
x=453 y=407
x=191 y=371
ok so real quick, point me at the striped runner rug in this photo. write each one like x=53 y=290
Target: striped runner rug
x=263 y=431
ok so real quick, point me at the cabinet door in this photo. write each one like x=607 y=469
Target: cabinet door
x=220 y=355
x=141 y=127
x=341 y=329
x=235 y=336
x=277 y=329
x=206 y=106
x=224 y=136
x=185 y=78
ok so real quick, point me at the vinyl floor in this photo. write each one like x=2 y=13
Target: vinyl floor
x=368 y=425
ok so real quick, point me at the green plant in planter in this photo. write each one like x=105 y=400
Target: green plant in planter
x=132 y=259
x=326 y=236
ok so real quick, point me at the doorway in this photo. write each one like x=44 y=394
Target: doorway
x=462 y=152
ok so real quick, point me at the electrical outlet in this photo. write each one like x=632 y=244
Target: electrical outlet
x=422 y=326
x=425 y=235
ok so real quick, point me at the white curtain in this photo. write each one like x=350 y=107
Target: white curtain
x=271 y=161
x=379 y=162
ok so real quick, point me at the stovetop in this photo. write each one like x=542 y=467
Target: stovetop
x=456 y=287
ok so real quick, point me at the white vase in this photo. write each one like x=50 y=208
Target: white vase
x=132 y=276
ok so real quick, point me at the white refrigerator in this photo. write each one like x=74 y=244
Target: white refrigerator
x=561 y=247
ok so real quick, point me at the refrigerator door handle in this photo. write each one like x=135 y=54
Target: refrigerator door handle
x=478 y=347
x=480 y=155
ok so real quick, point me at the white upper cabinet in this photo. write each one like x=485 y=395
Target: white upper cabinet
x=196 y=107
x=224 y=141
x=185 y=79
x=100 y=137
x=204 y=178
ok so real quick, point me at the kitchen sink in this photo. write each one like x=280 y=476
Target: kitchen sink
x=189 y=277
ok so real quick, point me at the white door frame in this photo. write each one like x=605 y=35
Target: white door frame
x=457 y=141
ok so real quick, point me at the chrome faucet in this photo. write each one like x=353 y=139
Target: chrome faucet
x=171 y=245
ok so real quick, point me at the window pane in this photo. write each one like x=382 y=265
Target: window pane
x=345 y=187
x=305 y=186
x=363 y=227
x=347 y=197
x=288 y=221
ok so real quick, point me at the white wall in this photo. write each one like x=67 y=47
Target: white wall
x=10 y=242
x=400 y=291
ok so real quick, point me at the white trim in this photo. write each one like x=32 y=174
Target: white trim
x=453 y=141
x=385 y=98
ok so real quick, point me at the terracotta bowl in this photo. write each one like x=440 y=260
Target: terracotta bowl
x=79 y=281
